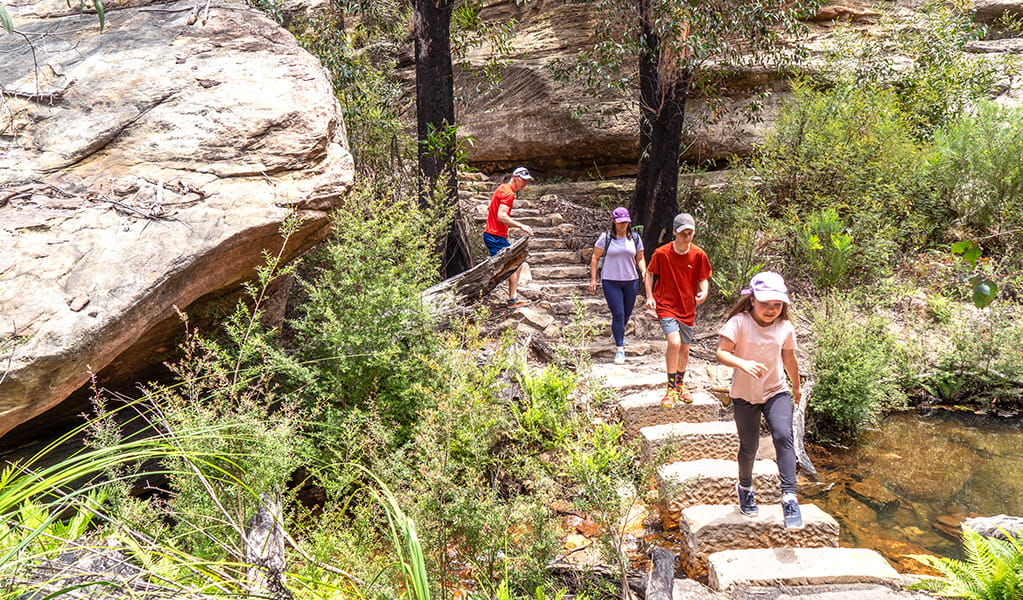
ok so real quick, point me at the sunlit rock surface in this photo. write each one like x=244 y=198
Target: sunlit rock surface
x=141 y=169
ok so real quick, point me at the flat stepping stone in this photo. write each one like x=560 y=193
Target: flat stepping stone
x=548 y=243
x=591 y=304
x=535 y=221
x=706 y=529
x=553 y=257
x=625 y=379
x=566 y=289
x=644 y=409
x=772 y=567
x=576 y=271
x=710 y=481
x=689 y=441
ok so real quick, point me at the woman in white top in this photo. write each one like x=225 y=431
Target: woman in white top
x=623 y=268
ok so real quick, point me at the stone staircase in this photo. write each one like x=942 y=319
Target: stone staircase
x=692 y=447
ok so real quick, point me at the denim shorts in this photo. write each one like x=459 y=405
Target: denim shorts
x=669 y=326
x=495 y=243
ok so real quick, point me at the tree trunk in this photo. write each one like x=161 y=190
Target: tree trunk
x=435 y=118
x=663 y=88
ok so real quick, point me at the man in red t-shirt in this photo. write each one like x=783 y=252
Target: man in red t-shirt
x=683 y=272
x=499 y=219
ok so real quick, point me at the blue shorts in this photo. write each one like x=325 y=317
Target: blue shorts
x=669 y=326
x=495 y=243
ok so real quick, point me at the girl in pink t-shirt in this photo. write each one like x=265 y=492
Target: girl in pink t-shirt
x=759 y=342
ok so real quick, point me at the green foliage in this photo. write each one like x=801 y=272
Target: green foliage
x=856 y=368
x=982 y=362
x=977 y=171
x=5 y=19
x=985 y=289
x=362 y=332
x=940 y=81
x=737 y=221
x=362 y=63
x=993 y=569
x=826 y=249
x=542 y=414
x=848 y=149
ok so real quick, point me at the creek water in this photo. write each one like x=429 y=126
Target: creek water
x=905 y=486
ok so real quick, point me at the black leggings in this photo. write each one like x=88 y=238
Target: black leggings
x=777 y=412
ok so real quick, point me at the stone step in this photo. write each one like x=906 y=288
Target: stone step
x=592 y=305
x=607 y=351
x=644 y=409
x=706 y=529
x=577 y=271
x=535 y=221
x=673 y=442
x=710 y=481
x=562 y=290
x=542 y=243
x=553 y=257
x=773 y=567
x=625 y=379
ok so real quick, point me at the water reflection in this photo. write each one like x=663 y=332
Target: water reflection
x=906 y=486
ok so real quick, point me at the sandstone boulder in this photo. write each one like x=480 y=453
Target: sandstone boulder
x=142 y=169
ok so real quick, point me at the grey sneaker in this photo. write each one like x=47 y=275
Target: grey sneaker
x=747 y=502
x=793 y=516
x=620 y=357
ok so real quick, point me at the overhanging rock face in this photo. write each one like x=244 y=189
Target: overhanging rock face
x=141 y=169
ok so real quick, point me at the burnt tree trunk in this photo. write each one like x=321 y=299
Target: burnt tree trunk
x=435 y=119
x=664 y=84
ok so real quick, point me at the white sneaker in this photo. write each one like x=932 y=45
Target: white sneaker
x=620 y=357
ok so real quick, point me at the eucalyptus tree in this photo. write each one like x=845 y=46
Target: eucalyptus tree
x=683 y=47
x=442 y=31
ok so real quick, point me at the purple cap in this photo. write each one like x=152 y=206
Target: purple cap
x=621 y=215
x=768 y=286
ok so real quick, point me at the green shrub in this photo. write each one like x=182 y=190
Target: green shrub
x=362 y=331
x=982 y=363
x=542 y=415
x=993 y=569
x=848 y=150
x=979 y=173
x=736 y=223
x=827 y=252
x=856 y=366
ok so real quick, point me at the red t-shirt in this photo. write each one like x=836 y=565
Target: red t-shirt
x=675 y=290
x=504 y=194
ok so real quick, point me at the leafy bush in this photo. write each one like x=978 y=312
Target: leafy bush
x=993 y=569
x=848 y=150
x=827 y=251
x=982 y=362
x=979 y=173
x=362 y=332
x=543 y=413
x=856 y=368
x=735 y=221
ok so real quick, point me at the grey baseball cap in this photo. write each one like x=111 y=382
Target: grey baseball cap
x=683 y=221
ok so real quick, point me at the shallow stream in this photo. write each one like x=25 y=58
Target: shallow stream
x=905 y=486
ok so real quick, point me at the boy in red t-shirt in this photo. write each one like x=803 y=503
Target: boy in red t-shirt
x=683 y=272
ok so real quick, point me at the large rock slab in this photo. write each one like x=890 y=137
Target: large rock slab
x=799 y=566
x=710 y=481
x=707 y=529
x=689 y=441
x=142 y=169
x=644 y=409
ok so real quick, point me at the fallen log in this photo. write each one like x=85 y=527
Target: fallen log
x=454 y=295
x=662 y=574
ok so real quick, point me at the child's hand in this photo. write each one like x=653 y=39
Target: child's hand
x=650 y=303
x=753 y=368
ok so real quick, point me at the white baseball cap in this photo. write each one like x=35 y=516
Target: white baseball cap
x=522 y=172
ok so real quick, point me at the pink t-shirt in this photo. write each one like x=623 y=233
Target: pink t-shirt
x=763 y=345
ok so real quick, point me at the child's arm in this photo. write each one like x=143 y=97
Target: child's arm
x=648 y=283
x=702 y=289
x=726 y=357
x=791 y=365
